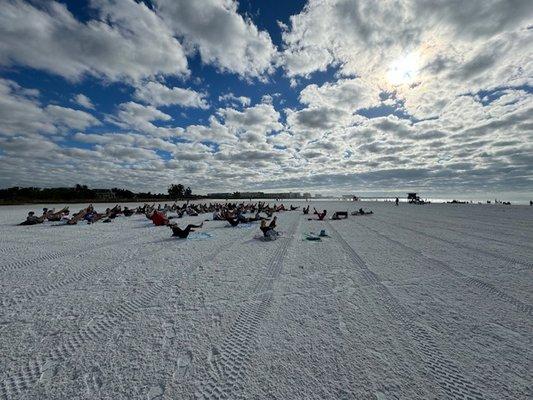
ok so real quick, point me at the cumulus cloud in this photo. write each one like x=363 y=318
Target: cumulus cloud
x=70 y=118
x=417 y=94
x=427 y=52
x=157 y=94
x=262 y=118
x=140 y=118
x=222 y=37
x=347 y=94
x=126 y=41
x=83 y=101
x=231 y=99
x=22 y=114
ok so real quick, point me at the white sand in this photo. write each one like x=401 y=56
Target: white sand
x=414 y=302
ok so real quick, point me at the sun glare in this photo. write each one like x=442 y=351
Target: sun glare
x=404 y=70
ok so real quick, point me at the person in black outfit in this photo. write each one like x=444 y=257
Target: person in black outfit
x=183 y=233
x=265 y=228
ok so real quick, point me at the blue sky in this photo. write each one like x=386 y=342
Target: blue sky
x=336 y=97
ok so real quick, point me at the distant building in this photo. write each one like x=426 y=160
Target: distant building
x=350 y=197
x=256 y=195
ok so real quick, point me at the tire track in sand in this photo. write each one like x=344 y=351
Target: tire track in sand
x=452 y=382
x=73 y=275
x=27 y=295
x=487 y=287
x=460 y=230
x=229 y=361
x=8 y=249
x=43 y=368
x=489 y=253
x=60 y=254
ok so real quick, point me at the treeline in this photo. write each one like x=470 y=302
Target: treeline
x=83 y=193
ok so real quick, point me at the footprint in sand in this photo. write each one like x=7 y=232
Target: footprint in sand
x=184 y=365
x=214 y=358
x=93 y=381
x=49 y=370
x=155 y=392
x=216 y=318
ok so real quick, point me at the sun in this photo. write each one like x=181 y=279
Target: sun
x=404 y=70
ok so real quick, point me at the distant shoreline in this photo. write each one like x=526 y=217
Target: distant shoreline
x=88 y=201
x=209 y=199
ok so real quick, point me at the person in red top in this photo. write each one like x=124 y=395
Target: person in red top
x=159 y=218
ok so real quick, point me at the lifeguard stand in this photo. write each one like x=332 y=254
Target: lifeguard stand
x=413 y=198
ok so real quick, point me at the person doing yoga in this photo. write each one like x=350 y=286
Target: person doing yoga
x=183 y=233
x=320 y=216
x=232 y=221
x=32 y=219
x=362 y=212
x=268 y=229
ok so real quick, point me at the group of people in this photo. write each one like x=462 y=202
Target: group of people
x=233 y=213
x=161 y=215
x=87 y=214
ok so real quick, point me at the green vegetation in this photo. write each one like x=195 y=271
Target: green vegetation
x=82 y=193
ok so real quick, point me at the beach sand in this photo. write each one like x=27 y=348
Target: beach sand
x=413 y=302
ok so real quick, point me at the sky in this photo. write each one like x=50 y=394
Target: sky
x=326 y=96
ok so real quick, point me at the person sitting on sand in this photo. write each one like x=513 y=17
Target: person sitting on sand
x=113 y=212
x=293 y=208
x=306 y=210
x=258 y=217
x=362 y=212
x=340 y=215
x=320 y=216
x=217 y=216
x=232 y=221
x=241 y=218
x=91 y=216
x=32 y=219
x=183 y=233
x=268 y=229
x=77 y=216
x=191 y=212
x=159 y=218
x=53 y=216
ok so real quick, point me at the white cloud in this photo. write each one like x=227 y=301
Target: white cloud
x=157 y=94
x=222 y=37
x=22 y=114
x=346 y=94
x=140 y=118
x=127 y=41
x=427 y=52
x=70 y=118
x=262 y=118
x=231 y=99
x=439 y=84
x=83 y=101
